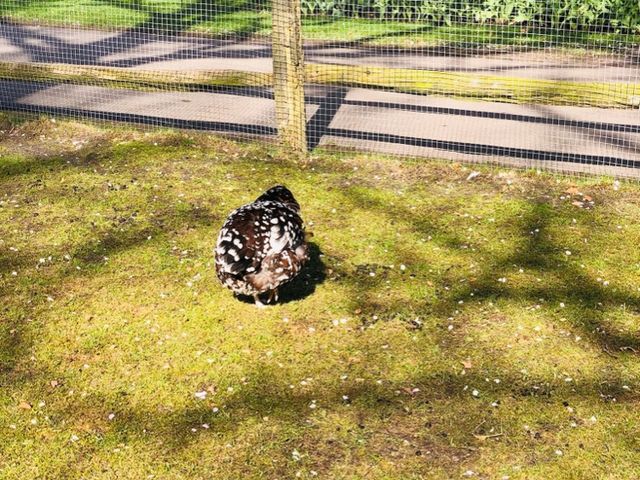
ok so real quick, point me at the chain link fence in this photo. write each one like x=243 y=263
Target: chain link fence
x=539 y=84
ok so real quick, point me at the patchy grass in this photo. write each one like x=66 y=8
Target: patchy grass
x=446 y=327
x=447 y=84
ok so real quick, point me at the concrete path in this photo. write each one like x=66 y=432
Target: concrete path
x=571 y=139
x=567 y=138
x=179 y=53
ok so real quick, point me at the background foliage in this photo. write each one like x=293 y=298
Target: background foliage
x=610 y=14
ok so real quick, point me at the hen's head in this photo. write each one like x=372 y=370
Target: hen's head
x=280 y=194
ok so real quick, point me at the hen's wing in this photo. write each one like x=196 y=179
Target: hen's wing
x=238 y=240
x=254 y=232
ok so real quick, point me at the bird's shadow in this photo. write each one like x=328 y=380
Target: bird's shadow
x=303 y=285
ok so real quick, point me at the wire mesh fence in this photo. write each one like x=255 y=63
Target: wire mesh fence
x=542 y=84
x=166 y=62
x=529 y=83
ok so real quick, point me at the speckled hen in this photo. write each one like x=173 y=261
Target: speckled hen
x=262 y=245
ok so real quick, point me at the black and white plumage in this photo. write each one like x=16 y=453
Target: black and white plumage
x=262 y=245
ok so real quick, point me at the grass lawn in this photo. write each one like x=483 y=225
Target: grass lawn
x=446 y=328
x=245 y=18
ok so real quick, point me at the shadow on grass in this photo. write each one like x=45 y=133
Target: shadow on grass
x=23 y=300
x=379 y=417
x=563 y=280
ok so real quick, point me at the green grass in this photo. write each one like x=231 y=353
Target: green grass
x=114 y=319
x=247 y=18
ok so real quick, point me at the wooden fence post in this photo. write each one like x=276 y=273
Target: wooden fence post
x=288 y=74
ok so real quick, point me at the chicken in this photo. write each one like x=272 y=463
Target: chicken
x=262 y=245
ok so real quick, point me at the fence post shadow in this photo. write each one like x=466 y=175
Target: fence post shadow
x=328 y=106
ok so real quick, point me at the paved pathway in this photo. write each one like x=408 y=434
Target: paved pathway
x=570 y=138
x=156 y=52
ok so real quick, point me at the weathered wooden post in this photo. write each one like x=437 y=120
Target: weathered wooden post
x=288 y=74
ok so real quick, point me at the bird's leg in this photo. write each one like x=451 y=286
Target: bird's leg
x=259 y=304
x=273 y=296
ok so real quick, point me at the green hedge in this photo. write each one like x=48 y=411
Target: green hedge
x=574 y=14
